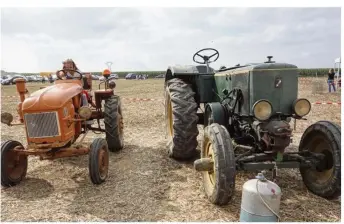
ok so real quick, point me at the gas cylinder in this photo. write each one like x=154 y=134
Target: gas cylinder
x=260 y=200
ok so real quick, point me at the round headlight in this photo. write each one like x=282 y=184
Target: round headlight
x=301 y=107
x=85 y=112
x=262 y=110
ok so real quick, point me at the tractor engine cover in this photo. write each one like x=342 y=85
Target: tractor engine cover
x=277 y=134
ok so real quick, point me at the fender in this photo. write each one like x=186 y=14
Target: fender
x=215 y=113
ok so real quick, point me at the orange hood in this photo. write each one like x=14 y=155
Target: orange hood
x=51 y=97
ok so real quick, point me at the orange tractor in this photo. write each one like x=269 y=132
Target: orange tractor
x=55 y=117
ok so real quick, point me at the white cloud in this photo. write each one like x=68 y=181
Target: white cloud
x=38 y=39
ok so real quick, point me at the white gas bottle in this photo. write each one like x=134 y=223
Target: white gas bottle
x=260 y=201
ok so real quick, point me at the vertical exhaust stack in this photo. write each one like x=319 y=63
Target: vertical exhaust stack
x=21 y=89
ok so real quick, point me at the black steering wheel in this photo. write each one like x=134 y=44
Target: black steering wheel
x=206 y=59
x=64 y=71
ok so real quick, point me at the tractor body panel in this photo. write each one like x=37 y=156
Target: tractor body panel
x=206 y=88
x=279 y=86
x=52 y=97
x=202 y=82
x=48 y=113
x=275 y=82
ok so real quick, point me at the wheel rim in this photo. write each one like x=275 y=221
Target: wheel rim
x=15 y=165
x=210 y=177
x=170 y=116
x=103 y=162
x=324 y=170
x=210 y=154
x=120 y=124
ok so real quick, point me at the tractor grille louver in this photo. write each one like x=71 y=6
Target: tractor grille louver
x=40 y=125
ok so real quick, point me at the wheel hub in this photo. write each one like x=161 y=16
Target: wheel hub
x=210 y=154
x=103 y=163
x=15 y=165
x=324 y=169
x=326 y=163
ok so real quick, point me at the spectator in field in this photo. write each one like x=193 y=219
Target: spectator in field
x=330 y=80
x=51 y=78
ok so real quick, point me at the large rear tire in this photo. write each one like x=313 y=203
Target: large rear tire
x=113 y=120
x=13 y=165
x=219 y=183
x=323 y=137
x=181 y=120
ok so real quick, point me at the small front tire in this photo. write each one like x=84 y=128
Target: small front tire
x=219 y=183
x=98 y=161
x=13 y=165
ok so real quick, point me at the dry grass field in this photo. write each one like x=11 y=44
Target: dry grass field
x=143 y=183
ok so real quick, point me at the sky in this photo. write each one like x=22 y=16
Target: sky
x=150 y=39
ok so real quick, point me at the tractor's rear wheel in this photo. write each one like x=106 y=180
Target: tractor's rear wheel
x=323 y=137
x=219 y=182
x=113 y=120
x=181 y=120
x=13 y=165
x=98 y=161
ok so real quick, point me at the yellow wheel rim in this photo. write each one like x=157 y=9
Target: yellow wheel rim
x=209 y=177
x=210 y=154
x=322 y=176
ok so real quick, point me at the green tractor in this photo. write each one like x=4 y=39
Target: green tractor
x=246 y=112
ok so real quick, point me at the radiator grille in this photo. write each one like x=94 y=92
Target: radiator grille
x=42 y=124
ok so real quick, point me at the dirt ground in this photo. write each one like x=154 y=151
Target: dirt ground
x=143 y=183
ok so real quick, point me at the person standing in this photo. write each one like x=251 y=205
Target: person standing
x=330 y=80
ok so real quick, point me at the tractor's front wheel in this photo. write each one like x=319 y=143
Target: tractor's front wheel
x=181 y=119
x=98 y=161
x=323 y=137
x=113 y=120
x=219 y=179
x=13 y=165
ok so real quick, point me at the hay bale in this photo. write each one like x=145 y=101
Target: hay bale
x=318 y=86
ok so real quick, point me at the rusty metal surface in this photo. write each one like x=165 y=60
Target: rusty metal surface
x=48 y=153
x=15 y=164
x=48 y=145
x=103 y=162
x=66 y=152
x=97 y=114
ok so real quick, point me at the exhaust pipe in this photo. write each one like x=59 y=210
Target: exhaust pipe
x=21 y=89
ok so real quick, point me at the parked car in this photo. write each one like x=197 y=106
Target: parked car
x=160 y=76
x=12 y=80
x=130 y=76
x=38 y=78
x=30 y=78
x=34 y=78
x=115 y=76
